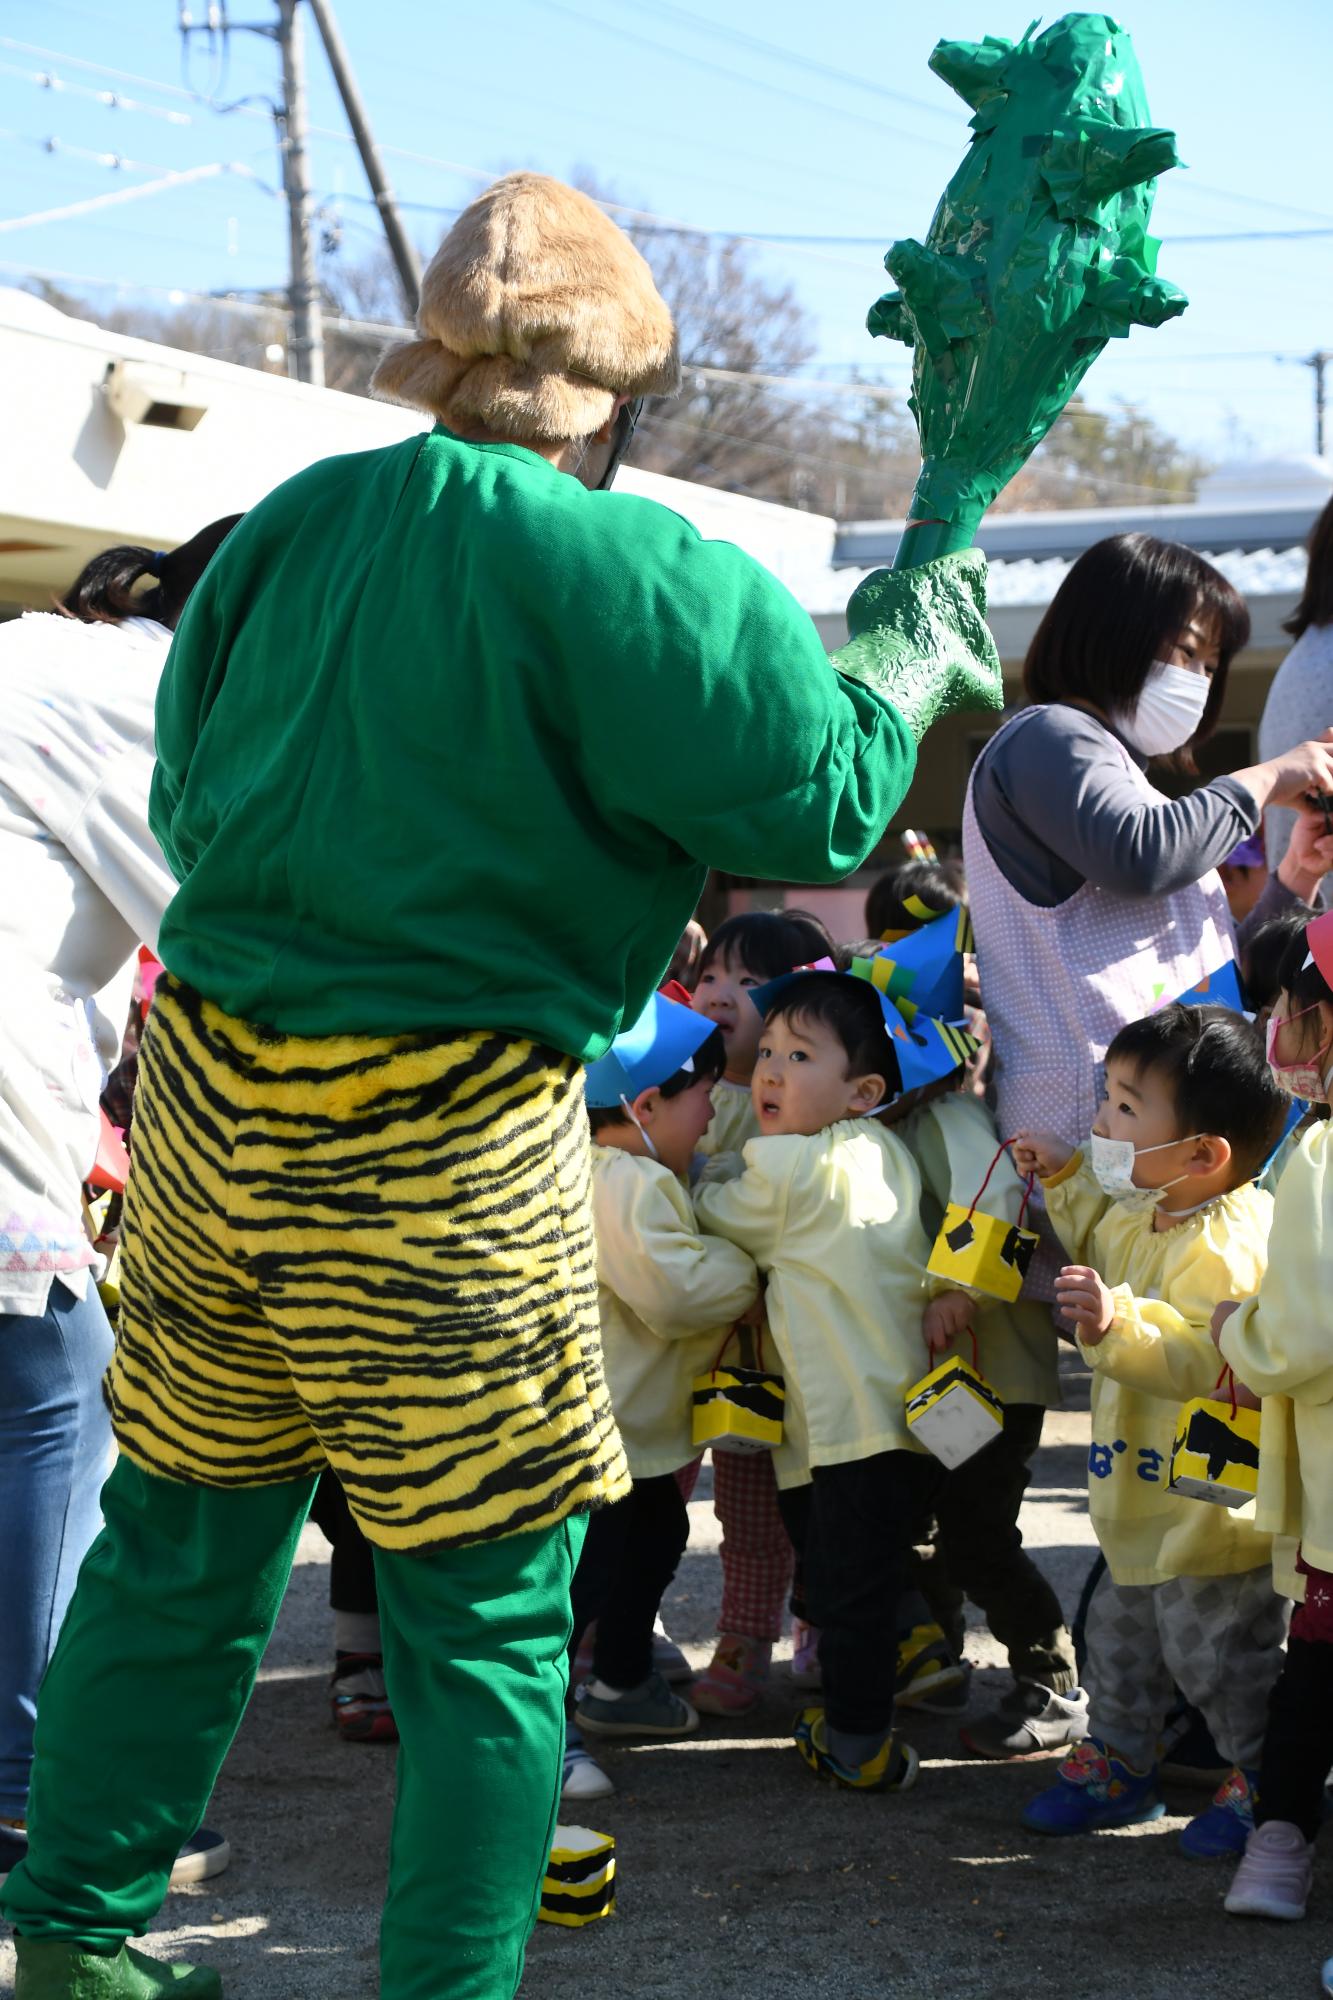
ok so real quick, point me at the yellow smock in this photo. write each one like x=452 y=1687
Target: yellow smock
x=667 y=1295
x=834 y=1222
x=953 y=1141
x=1156 y=1355
x=734 y=1120
x=1280 y=1346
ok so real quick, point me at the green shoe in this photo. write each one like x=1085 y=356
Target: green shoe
x=51 y=1969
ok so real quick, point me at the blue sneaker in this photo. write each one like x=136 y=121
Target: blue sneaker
x=1094 y=1789
x=1227 y=1823
x=650 y=1709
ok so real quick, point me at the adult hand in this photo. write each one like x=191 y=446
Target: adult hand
x=1286 y=780
x=1308 y=858
x=1085 y=1300
x=1041 y=1153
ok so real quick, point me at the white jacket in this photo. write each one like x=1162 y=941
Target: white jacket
x=84 y=883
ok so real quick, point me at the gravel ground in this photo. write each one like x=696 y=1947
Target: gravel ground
x=738 y=1874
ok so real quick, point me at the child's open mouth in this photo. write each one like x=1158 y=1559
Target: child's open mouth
x=769 y=1107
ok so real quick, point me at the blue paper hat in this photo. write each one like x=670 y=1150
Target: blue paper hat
x=663 y=1040
x=923 y=971
x=927 y=1049
x=1218 y=989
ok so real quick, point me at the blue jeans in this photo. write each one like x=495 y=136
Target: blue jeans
x=55 y=1452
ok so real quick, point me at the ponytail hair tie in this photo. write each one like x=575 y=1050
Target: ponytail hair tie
x=158 y=558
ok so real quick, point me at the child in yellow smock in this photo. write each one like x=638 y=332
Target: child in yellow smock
x=1164 y=1220
x=666 y=1297
x=743 y=953
x=1280 y=1347
x=980 y=1554
x=828 y=1206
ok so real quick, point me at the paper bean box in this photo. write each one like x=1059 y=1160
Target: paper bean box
x=982 y=1253
x=580 y=1881
x=954 y=1412
x=738 y=1409
x=1216 y=1452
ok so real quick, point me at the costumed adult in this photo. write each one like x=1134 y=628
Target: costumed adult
x=1300 y=701
x=1094 y=897
x=424 y=693
x=85 y=883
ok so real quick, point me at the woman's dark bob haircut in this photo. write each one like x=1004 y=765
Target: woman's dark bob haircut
x=1122 y=607
x=1316 y=605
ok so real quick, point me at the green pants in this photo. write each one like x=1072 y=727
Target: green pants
x=158 y=1653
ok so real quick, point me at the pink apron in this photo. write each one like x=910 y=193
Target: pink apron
x=1058 y=984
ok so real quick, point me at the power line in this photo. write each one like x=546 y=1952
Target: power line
x=111 y=99
x=134 y=193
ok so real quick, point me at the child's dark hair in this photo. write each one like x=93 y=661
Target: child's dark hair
x=1263 y=957
x=709 y=1061
x=1214 y=1063
x=849 y=1009
x=768 y=942
x=1304 y=984
x=938 y=885
x=106 y=589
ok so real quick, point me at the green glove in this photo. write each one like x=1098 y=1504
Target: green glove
x=1037 y=254
x=920 y=638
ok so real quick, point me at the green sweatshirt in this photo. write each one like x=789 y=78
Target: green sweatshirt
x=445 y=740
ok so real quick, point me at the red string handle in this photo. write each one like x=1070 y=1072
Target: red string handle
x=971 y=1333
x=1228 y=1376
x=1004 y=1147
x=729 y=1336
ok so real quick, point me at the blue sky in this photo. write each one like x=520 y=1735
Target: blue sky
x=691 y=110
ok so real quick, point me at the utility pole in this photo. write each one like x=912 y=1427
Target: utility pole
x=1319 y=361
x=307 y=341
x=401 y=248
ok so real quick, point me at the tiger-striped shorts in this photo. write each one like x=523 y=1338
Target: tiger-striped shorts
x=375 y=1252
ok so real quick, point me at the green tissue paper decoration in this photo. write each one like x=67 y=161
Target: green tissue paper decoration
x=1038 y=253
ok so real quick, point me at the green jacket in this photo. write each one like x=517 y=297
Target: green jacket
x=446 y=740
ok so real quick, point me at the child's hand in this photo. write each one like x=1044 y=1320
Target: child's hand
x=1245 y=1398
x=944 y=1319
x=754 y=1313
x=1221 y=1314
x=1085 y=1301
x=1040 y=1153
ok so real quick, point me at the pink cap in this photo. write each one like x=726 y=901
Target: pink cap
x=1319 y=943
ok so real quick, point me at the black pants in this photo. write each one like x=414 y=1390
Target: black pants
x=632 y=1550
x=852 y=1527
x=979 y=1554
x=352 y=1565
x=1298 y=1745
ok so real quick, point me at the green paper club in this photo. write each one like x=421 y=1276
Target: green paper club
x=1038 y=253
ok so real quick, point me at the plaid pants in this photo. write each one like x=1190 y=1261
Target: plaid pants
x=756 y=1555
x=1217 y=1638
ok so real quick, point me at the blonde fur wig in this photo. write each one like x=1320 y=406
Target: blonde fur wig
x=536 y=312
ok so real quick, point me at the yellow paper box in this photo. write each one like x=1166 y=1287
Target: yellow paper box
x=738 y=1409
x=954 y=1412
x=1216 y=1453
x=580 y=1881
x=982 y=1253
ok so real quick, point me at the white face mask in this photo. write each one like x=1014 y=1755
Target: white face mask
x=629 y=1111
x=1168 y=711
x=1112 y=1162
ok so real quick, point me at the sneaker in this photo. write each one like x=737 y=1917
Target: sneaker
x=893 y=1768
x=207 y=1854
x=49 y=1968
x=1326 y=1976
x=650 y=1709
x=925 y=1667
x=950 y=1698
x=1273 y=1879
x=360 y=1700
x=735 y=1677
x=1094 y=1789
x=584 y=1777
x=805 y=1669
x=668 y=1660
x=13 y=1848
x=1028 y=1720
x=1225 y=1825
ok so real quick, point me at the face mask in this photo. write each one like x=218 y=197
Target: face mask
x=1168 y=711
x=628 y=1109
x=1298 y=1079
x=1112 y=1162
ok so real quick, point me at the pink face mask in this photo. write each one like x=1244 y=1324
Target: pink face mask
x=1299 y=1079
